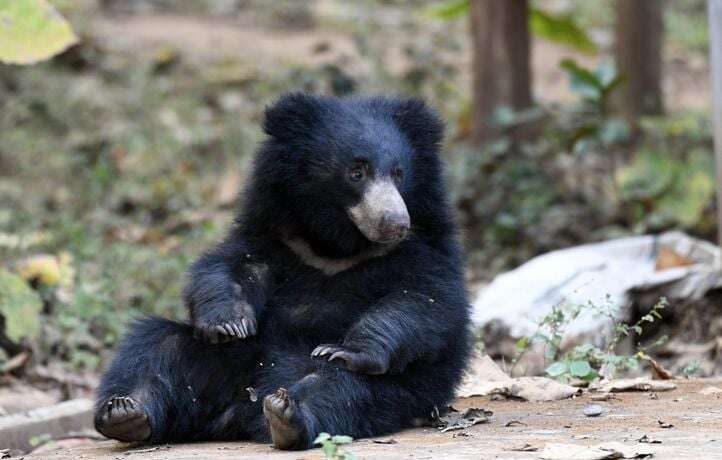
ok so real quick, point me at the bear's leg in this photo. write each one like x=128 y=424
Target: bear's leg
x=331 y=399
x=167 y=385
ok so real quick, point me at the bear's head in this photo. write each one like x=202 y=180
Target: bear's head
x=347 y=174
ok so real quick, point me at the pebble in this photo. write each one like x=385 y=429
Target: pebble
x=593 y=410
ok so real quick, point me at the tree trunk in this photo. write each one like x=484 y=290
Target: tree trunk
x=638 y=49
x=500 y=61
x=715 y=57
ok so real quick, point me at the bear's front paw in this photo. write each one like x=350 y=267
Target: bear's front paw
x=355 y=361
x=237 y=323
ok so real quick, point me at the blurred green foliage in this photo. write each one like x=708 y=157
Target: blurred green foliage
x=590 y=175
x=448 y=9
x=686 y=25
x=559 y=28
x=685 y=21
x=129 y=161
x=590 y=124
x=119 y=165
x=594 y=86
x=670 y=181
x=20 y=306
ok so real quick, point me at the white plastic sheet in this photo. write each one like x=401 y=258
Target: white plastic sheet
x=604 y=273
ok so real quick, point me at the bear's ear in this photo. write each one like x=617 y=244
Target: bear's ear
x=292 y=116
x=420 y=123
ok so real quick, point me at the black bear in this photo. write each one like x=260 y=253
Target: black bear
x=335 y=304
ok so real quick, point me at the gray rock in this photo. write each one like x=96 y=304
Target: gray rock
x=593 y=410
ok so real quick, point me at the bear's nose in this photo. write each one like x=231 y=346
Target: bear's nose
x=393 y=227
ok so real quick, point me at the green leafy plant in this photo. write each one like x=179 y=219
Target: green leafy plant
x=550 y=333
x=588 y=361
x=595 y=85
x=331 y=446
x=691 y=369
x=590 y=125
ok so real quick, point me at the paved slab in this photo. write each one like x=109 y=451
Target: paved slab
x=695 y=432
x=18 y=430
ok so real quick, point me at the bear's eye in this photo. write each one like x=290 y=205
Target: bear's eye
x=397 y=173
x=357 y=174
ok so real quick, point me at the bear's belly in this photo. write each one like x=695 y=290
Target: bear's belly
x=319 y=313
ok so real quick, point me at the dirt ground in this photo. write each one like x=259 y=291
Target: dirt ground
x=686 y=81
x=695 y=432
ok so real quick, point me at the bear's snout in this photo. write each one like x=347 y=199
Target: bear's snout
x=381 y=215
x=393 y=227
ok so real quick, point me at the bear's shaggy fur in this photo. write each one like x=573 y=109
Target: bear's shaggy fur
x=335 y=304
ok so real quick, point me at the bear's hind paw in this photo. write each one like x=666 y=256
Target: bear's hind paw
x=284 y=422
x=123 y=418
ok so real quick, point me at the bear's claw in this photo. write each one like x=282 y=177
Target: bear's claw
x=227 y=324
x=282 y=415
x=227 y=331
x=355 y=361
x=122 y=418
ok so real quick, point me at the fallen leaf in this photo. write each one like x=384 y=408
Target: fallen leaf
x=710 y=391
x=611 y=450
x=660 y=373
x=537 y=389
x=32 y=31
x=460 y=420
x=638 y=384
x=16 y=362
x=514 y=423
x=484 y=378
x=188 y=220
x=384 y=441
x=147 y=450
x=44 y=268
x=227 y=187
x=524 y=448
x=481 y=371
x=669 y=258
x=579 y=383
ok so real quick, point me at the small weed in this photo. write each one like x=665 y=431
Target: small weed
x=331 y=446
x=691 y=369
x=588 y=361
